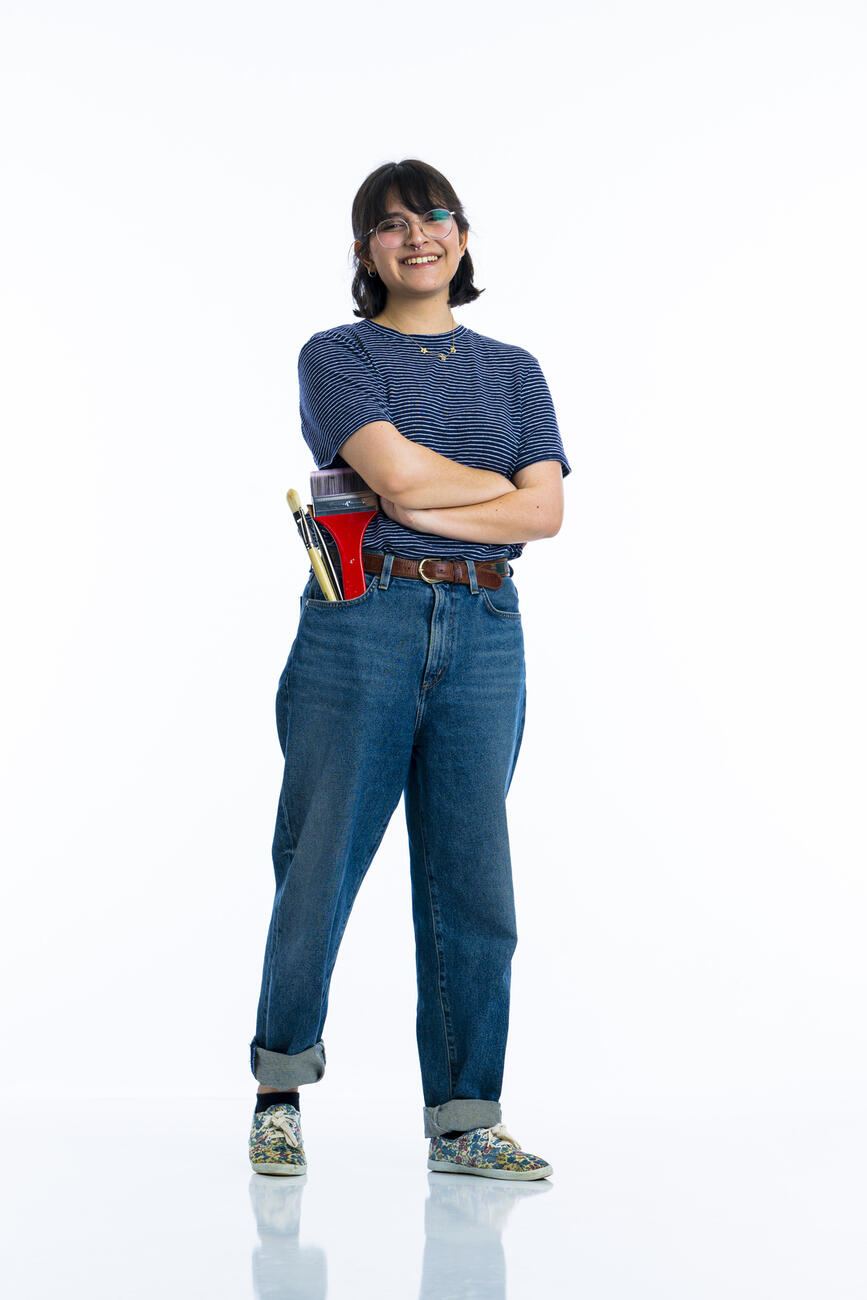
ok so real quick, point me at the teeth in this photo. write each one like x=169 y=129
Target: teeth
x=419 y=261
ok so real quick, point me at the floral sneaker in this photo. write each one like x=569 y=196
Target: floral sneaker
x=490 y=1152
x=275 y=1141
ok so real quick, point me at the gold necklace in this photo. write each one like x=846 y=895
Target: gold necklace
x=428 y=351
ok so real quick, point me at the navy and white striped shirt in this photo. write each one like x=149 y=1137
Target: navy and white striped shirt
x=487 y=406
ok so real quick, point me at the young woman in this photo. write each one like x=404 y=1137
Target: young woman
x=416 y=687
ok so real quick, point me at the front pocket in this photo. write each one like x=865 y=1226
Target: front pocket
x=321 y=603
x=506 y=598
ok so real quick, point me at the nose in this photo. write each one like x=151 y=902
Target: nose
x=416 y=235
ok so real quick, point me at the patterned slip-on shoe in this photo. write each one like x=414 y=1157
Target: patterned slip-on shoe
x=490 y=1152
x=275 y=1141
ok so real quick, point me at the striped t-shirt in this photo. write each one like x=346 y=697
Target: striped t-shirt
x=487 y=406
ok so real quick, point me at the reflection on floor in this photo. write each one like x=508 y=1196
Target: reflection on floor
x=464 y=1218
x=141 y=1198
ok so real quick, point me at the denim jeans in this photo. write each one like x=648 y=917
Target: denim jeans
x=415 y=689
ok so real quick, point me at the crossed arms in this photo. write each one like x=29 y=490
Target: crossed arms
x=432 y=494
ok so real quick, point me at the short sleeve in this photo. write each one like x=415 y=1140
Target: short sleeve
x=340 y=391
x=540 y=433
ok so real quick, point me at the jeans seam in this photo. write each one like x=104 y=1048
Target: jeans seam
x=287 y=824
x=291 y=837
x=368 y=860
x=440 y=961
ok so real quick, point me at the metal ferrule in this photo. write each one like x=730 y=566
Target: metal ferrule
x=349 y=504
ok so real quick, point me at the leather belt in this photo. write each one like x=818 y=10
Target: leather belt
x=489 y=573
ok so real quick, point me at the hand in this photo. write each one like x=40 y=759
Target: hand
x=397 y=513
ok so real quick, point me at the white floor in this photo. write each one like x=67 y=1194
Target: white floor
x=143 y=1198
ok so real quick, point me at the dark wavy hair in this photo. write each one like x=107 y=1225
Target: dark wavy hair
x=421 y=187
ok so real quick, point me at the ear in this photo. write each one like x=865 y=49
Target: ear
x=358 y=245
x=462 y=241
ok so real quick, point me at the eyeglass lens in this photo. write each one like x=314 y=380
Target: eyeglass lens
x=436 y=224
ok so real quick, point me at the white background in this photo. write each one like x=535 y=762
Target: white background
x=668 y=205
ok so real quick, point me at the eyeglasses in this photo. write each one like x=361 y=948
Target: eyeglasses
x=392 y=232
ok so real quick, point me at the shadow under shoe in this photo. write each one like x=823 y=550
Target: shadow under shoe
x=276 y=1146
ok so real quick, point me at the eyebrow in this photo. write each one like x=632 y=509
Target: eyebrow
x=435 y=207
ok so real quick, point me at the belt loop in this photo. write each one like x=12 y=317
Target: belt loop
x=385 y=575
x=471 y=570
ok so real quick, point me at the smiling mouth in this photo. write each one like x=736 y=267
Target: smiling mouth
x=421 y=261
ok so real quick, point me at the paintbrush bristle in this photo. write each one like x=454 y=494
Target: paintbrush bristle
x=336 y=482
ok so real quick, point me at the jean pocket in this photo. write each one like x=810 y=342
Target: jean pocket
x=319 y=602
x=503 y=601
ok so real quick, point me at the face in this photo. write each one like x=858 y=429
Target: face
x=420 y=266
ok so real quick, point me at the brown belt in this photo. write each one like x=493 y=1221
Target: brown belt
x=489 y=573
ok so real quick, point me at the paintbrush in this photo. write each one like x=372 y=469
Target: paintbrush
x=322 y=566
x=344 y=504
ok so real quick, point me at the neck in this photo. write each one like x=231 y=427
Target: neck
x=433 y=317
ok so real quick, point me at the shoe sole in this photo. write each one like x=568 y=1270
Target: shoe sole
x=279 y=1169
x=445 y=1167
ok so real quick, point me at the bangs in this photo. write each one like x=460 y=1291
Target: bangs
x=414 y=190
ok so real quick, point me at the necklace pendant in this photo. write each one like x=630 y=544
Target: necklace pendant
x=442 y=356
x=424 y=350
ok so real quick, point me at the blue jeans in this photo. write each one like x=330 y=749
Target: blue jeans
x=416 y=689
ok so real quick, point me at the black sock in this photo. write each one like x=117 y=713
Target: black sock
x=266 y=1099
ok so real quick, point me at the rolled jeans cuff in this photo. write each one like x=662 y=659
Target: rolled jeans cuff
x=460 y=1114
x=277 y=1070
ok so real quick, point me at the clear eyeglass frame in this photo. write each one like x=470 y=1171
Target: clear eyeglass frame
x=401 y=228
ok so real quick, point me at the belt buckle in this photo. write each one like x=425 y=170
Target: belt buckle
x=421 y=572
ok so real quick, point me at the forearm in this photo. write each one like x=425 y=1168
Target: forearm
x=436 y=482
x=520 y=516
x=414 y=476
